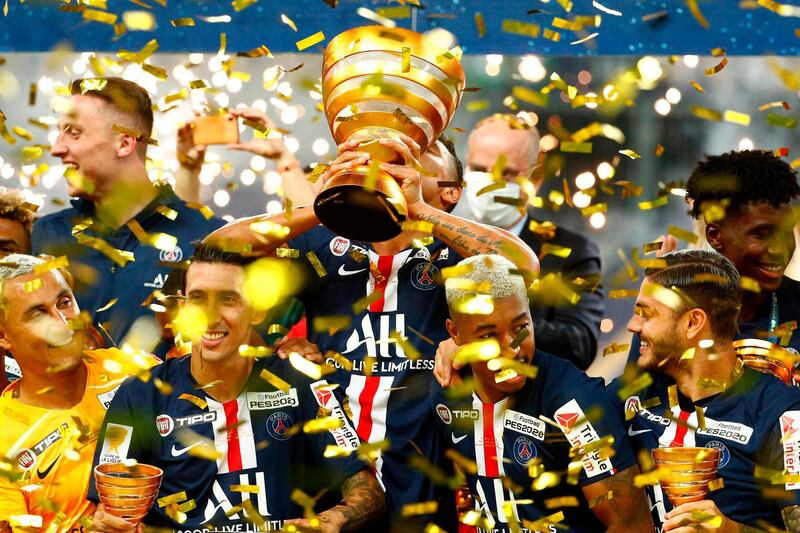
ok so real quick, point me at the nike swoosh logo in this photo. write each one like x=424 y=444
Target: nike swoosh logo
x=456 y=440
x=177 y=453
x=344 y=272
x=632 y=432
x=43 y=474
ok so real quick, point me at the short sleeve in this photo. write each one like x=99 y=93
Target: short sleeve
x=781 y=453
x=127 y=430
x=591 y=416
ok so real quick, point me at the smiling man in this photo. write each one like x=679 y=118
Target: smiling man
x=104 y=132
x=52 y=414
x=701 y=395
x=227 y=421
x=500 y=424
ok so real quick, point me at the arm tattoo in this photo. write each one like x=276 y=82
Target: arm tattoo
x=363 y=500
x=625 y=507
x=791 y=518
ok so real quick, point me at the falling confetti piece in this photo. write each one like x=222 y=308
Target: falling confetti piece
x=375 y=17
x=477 y=105
x=587 y=38
x=697 y=86
x=604 y=9
x=697 y=14
x=187 y=21
x=576 y=147
x=784 y=122
x=652 y=204
x=615 y=347
x=716 y=68
x=630 y=153
x=519 y=27
x=310 y=41
x=551 y=35
x=706 y=113
x=736 y=117
x=99 y=16
x=289 y=22
x=682 y=234
x=480 y=24
x=239 y=5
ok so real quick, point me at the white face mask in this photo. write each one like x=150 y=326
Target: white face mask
x=483 y=208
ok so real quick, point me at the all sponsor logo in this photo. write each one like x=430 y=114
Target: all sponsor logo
x=524 y=450
x=164 y=425
x=260 y=401
x=339 y=246
x=158 y=281
x=25 y=458
x=322 y=394
x=278 y=425
x=580 y=432
x=724 y=452
x=116 y=443
x=522 y=423
x=466 y=414
x=444 y=413
x=633 y=404
x=345 y=435
x=50 y=439
x=171 y=256
x=790 y=433
x=106 y=397
x=423 y=276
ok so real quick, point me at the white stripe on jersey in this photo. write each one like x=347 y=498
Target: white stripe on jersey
x=247 y=440
x=483 y=454
x=220 y=435
x=390 y=293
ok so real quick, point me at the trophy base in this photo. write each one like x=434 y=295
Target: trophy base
x=362 y=213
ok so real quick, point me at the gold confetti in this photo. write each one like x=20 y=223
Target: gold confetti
x=749 y=284
x=554 y=249
x=551 y=35
x=291 y=253
x=318 y=425
x=414 y=509
x=705 y=113
x=138 y=20
x=716 y=484
x=310 y=41
x=289 y=22
x=198 y=84
x=716 y=68
x=480 y=24
x=239 y=5
x=576 y=147
x=519 y=27
x=477 y=105
x=257 y=352
x=107 y=306
x=784 y=122
x=587 y=38
x=701 y=417
x=315 y=262
x=682 y=234
x=473 y=304
x=99 y=16
x=482 y=350
x=652 y=246
x=406 y=59
x=600 y=499
x=309 y=368
x=186 y=21
x=362 y=303
x=630 y=153
x=697 y=14
x=330 y=323
x=530 y=96
x=652 y=204
x=769 y=105
x=561 y=501
x=396 y=12
x=659 y=150
x=615 y=347
x=172 y=498
x=640 y=383
x=199 y=402
x=375 y=17
x=736 y=117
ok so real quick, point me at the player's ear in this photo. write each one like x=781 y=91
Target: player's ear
x=5 y=344
x=452 y=329
x=696 y=320
x=714 y=236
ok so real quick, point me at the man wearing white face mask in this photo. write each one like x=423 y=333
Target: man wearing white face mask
x=562 y=328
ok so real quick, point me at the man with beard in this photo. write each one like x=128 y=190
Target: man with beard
x=500 y=423
x=701 y=395
x=745 y=200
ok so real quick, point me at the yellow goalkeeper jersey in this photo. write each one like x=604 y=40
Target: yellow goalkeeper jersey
x=46 y=455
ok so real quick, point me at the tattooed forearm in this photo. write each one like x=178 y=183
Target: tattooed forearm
x=791 y=518
x=362 y=500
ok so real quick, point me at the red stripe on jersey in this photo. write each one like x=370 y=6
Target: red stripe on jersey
x=681 y=430
x=385 y=268
x=489 y=444
x=365 y=399
x=232 y=427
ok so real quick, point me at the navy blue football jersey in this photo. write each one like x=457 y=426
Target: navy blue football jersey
x=209 y=450
x=754 y=423
x=388 y=387
x=504 y=438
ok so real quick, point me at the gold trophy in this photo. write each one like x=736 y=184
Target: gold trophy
x=688 y=472
x=377 y=83
x=127 y=491
x=767 y=357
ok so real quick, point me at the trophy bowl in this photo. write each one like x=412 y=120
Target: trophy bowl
x=767 y=357
x=379 y=83
x=688 y=471
x=127 y=492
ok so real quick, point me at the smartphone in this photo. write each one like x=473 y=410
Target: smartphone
x=219 y=129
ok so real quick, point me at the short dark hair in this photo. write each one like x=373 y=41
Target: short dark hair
x=707 y=280
x=204 y=253
x=451 y=147
x=742 y=178
x=126 y=96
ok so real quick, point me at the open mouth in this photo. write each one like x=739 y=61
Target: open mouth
x=62 y=343
x=644 y=345
x=507 y=370
x=772 y=270
x=213 y=338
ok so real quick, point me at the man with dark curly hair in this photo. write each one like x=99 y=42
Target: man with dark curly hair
x=745 y=200
x=16 y=220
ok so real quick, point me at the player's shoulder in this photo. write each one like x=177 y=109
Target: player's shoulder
x=763 y=392
x=57 y=223
x=192 y=219
x=566 y=383
x=789 y=288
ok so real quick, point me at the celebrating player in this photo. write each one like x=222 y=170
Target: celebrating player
x=500 y=425
x=388 y=385
x=702 y=396
x=52 y=414
x=228 y=421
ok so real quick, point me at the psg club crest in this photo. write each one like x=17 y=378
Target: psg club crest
x=524 y=450
x=424 y=275
x=724 y=453
x=278 y=425
x=171 y=256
